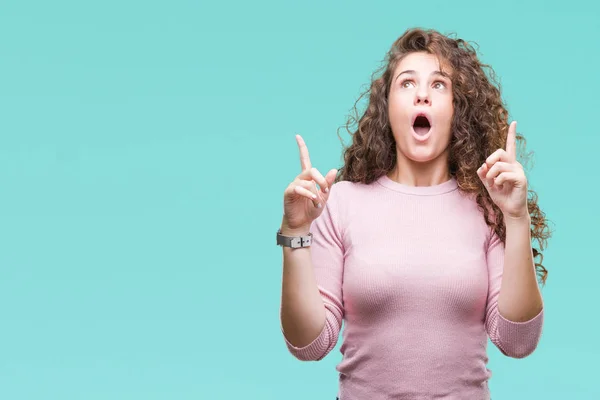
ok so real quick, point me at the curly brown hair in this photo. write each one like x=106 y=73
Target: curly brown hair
x=479 y=127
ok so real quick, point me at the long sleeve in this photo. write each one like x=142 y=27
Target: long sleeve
x=327 y=253
x=513 y=339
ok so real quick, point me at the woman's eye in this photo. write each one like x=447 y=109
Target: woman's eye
x=406 y=84
x=439 y=85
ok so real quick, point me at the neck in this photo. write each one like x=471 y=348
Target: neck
x=413 y=173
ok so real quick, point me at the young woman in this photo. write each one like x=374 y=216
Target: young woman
x=421 y=243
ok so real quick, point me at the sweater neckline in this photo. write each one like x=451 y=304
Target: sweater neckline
x=441 y=188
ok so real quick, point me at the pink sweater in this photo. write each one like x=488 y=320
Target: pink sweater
x=414 y=273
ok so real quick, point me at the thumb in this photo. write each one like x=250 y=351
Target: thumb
x=330 y=177
x=482 y=172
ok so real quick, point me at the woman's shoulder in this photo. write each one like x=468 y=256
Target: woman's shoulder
x=348 y=190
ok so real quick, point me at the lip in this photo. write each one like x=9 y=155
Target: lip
x=421 y=138
x=421 y=114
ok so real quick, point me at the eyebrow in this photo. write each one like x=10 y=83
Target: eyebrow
x=412 y=71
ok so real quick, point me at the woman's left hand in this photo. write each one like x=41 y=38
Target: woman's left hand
x=504 y=178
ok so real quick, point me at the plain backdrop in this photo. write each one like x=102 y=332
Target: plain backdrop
x=144 y=150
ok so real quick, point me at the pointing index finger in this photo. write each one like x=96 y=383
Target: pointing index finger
x=511 y=141
x=304 y=157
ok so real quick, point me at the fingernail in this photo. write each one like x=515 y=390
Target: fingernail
x=319 y=205
x=326 y=190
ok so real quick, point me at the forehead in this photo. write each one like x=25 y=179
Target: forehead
x=423 y=63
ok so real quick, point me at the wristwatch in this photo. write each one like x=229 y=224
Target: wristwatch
x=294 y=241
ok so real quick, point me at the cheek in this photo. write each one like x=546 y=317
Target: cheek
x=397 y=109
x=446 y=109
x=450 y=109
x=449 y=105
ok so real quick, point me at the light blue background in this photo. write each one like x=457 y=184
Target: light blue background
x=144 y=150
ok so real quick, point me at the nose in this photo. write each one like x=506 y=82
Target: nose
x=422 y=98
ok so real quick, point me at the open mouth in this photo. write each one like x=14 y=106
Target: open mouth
x=421 y=125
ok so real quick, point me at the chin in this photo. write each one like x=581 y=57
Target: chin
x=424 y=155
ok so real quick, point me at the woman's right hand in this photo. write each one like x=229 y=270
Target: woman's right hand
x=302 y=201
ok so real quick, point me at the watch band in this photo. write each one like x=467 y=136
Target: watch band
x=294 y=241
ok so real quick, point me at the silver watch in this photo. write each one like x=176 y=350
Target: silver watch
x=294 y=241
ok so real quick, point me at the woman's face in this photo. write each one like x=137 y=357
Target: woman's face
x=420 y=107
